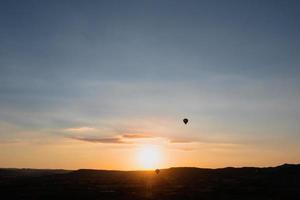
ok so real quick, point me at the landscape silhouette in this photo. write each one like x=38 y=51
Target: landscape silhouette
x=282 y=182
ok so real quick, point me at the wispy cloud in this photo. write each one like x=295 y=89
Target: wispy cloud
x=119 y=139
x=112 y=140
x=175 y=140
x=185 y=148
x=80 y=129
x=137 y=136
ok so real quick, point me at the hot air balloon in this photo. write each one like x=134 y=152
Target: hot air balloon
x=157 y=171
x=185 y=120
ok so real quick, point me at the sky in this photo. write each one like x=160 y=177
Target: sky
x=92 y=84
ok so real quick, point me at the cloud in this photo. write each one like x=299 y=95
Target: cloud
x=181 y=141
x=127 y=137
x=137 y=136
x=80 y=129
x=121 y=139
x=132 y=136
x=112 y=140
x=185 y=148
x=93 y=135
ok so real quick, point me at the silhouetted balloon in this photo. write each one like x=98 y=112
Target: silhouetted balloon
x=185 y=120
x=157 y=171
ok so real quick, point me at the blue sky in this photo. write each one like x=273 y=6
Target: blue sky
x=115 y=67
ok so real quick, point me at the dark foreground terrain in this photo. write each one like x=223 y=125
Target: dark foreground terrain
x=282 y=182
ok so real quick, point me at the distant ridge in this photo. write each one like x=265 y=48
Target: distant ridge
x=176 y=183
x=29 y=170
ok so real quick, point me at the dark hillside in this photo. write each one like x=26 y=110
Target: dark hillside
x=282 y=182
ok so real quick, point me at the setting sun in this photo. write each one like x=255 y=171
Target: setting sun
x=149 y=157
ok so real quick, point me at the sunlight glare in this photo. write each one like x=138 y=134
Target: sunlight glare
x=148 y=157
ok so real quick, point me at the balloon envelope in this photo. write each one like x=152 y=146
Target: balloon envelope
x=157 y=171
x=185 y=120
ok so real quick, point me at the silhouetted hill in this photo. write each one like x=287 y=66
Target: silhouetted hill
x=11 y=174
x=282 y=182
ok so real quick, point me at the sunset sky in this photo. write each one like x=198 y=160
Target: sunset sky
x=106 y=84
